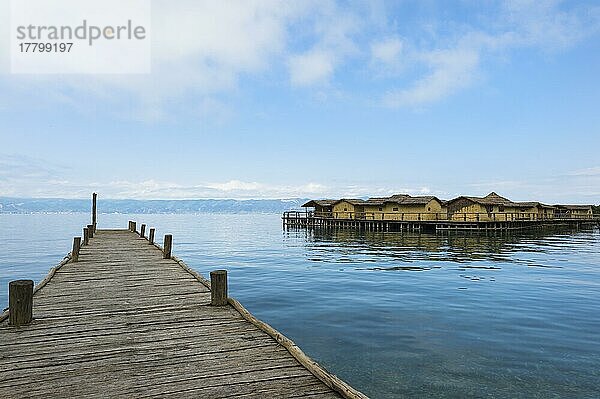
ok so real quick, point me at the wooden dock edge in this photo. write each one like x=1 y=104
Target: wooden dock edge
x=329 y=379
x=42 y=283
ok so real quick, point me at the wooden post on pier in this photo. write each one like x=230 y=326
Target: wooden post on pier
x=151 y=235
x=86 y=236
x=94 y=217
x=90 y=228
x=75 y=251
x=134 y=227
x=218 y=287
x=143 y=230
x=167 y=246
x=20 y=302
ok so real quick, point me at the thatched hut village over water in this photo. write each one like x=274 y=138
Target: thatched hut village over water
x=492 y=207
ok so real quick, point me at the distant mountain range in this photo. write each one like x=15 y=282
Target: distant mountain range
x=57 y=205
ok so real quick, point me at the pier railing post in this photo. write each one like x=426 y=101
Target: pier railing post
x=143 y=230
x=134 y=226
x=168 y=243
x=94 y=215
x=151 y=235
x=86 y=236
x=75 y=251
x=20 y=302
x=90 y=228
x=129 y=225
x=218 y=287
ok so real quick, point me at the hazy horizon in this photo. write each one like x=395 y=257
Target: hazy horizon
x=295 y=199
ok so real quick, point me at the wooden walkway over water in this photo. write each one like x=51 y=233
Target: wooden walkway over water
x=123 y=321
x=431 y=222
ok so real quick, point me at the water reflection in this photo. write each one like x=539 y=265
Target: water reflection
x=348 y=246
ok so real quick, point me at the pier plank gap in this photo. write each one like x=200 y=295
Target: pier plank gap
x=124 y=322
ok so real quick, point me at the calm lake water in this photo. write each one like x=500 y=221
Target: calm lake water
x=394 y=314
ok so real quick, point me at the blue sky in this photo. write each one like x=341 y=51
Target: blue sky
x=319 y=99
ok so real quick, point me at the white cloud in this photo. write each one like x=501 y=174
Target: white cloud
x=201 y=49
x=387 y=51
x=552 y=24
x=198 y=47
x=451 y=70
x=30 y=186
x=456 y=64
x=315 y=66
x=235 y=185
x=22 y=176
x=333 y=28
x=593 y=171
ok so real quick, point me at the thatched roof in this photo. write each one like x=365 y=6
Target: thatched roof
x=575 y=207
x=313 y=203
x=421 y=200
x=375 y=201
x=397 y=197
x=533 y=204
x=402 y=199
x=353 y=201
x=490 y=199
x=495 y=199
x=405 y=199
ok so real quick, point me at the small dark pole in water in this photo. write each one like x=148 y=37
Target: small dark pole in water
x=94 y=198
x=143 y=230
x=75 y=251
x=167 y=246
x=86 y=236
x=218 y=287
x=20 y=302
x=151 y=236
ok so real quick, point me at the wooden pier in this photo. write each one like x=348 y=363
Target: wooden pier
x=427 y=222
x=122 y=317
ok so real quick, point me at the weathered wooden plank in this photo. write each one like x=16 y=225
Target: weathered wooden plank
x=131 y=384
x=234 y=360
x=143 y=353
x=104 y=321
x=96 y=337
x=274 y=388
x=146 y=289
